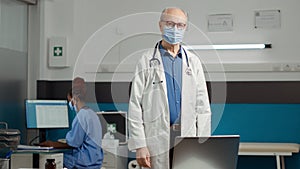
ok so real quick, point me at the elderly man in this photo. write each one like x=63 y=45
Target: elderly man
x=168 y=96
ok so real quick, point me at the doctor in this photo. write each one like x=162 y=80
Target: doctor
x=168 y=96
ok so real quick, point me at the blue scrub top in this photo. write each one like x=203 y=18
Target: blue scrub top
x=85 y=137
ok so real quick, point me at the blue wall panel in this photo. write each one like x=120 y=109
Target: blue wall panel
x=260 y=123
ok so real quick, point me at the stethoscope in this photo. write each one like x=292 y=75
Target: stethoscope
x=155 y=61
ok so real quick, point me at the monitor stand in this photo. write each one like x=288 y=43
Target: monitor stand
x=42 y=134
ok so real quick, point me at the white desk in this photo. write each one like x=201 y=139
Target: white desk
x=35 y=158
x=269 y=149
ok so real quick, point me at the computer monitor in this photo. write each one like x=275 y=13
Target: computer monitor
x=115 y=121
x=46 y=114
x=215 y=152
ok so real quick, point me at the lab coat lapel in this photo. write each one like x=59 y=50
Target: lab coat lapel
x=188 y=100
x=161 y=73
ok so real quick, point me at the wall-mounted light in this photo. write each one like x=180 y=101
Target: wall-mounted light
x=229 y=47
x=30 y=2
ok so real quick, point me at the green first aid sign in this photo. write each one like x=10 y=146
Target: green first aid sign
x=57 y=51
x=112 y=127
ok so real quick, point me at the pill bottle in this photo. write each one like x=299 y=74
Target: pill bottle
x=50 y=164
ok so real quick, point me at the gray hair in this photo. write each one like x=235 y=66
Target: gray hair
x=164 y=10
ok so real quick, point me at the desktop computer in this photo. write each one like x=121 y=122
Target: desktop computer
x=42 y=115
x=46 y=114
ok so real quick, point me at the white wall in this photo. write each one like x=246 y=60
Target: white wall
x=13 y=25
x=13 y=42
x=13 y=64
x=115 y=38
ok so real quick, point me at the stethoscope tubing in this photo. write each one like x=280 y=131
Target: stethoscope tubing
x=154 y=59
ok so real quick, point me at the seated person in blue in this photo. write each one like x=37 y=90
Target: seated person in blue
x=84 y=139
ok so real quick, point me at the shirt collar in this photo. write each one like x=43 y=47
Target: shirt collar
x=164 y=52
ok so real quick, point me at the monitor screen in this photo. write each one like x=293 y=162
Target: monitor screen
x=116 y=123
x=47 y=114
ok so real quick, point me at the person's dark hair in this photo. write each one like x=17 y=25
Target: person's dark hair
x=79 y=88
x=69 y=93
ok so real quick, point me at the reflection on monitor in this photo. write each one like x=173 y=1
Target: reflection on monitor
x=214 y=152
x=47 y=114
x=116 y=123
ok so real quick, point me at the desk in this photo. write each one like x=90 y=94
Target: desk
x=40 y=151
x=36 y=158
x=279 y=150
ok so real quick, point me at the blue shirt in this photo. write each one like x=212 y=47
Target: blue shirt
x=173 y=71
x=85 y=137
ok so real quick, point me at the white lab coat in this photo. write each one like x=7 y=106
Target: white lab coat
x=148 y=114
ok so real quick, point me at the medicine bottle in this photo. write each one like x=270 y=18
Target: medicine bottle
x=50 y=164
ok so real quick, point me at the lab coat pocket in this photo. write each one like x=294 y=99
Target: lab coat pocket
x=157 y=85
x=152 y=116
x=154 y=103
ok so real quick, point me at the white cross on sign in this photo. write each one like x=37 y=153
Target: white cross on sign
x=111 y=127
x=58 y=51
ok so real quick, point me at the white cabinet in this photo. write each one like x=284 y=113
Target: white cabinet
x=22 y=160
x=115 y=158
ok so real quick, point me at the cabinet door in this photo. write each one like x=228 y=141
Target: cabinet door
x=109 y=160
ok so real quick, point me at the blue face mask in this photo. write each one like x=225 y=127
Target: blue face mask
x=72 y=107
x=173 y=35
x=75 y=109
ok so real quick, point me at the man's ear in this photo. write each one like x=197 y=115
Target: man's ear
x=160 y=26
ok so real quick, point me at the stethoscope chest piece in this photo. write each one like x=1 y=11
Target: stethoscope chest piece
x=154 y=62
x=188 y=71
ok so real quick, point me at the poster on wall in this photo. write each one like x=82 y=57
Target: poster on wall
x=267 y=19
x=220 y=23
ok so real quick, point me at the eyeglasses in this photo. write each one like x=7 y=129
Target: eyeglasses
x=171 y=24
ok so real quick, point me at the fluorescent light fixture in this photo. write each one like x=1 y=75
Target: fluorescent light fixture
x=229 y=47
x=29 y=2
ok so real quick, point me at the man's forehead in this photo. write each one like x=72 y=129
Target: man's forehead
x=174 y=17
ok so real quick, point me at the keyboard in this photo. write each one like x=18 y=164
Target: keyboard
x=63 y=140
x=28 y=147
